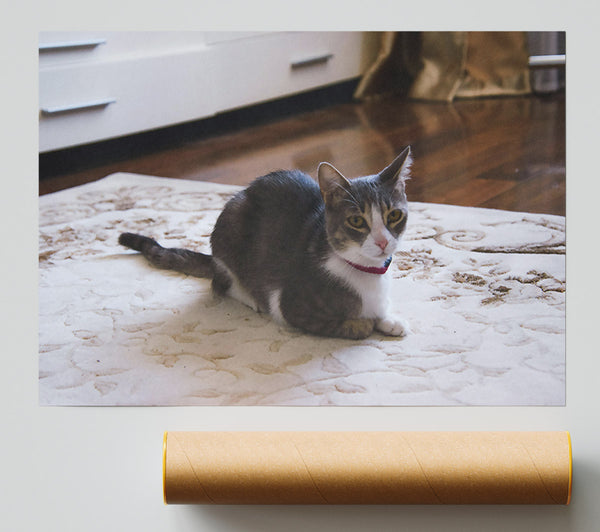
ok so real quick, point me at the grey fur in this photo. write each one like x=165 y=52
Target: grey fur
x=276 y=236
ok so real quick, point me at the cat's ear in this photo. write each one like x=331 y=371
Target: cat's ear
x=399 y=171
x=331 y=181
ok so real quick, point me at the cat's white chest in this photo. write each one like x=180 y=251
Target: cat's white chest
x=374 y=296
x=372 y=288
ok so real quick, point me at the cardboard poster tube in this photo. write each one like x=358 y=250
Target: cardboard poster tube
x=367 y=468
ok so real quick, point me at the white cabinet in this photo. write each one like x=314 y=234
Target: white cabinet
x=100 y=85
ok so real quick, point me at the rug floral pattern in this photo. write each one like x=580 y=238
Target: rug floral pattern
x=483 y=291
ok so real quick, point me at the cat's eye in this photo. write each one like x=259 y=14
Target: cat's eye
x=395 y=216
x=356 y=221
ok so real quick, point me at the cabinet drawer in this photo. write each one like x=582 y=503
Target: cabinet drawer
x=146 y=92
x=59 y=48
x=278 y=64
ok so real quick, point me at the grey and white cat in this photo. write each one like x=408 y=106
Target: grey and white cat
x=312 y=256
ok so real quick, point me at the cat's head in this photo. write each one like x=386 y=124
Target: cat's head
x=366 y=216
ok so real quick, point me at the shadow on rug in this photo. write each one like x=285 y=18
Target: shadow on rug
x=483 y=291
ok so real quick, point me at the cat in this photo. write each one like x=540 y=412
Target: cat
x=313 y=256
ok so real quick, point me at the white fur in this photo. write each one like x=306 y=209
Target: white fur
x=370 y=287
x=275 y=307
x=405 y=171
x=237 y=291
x=393 y=326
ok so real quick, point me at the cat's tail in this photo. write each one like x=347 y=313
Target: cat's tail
x=180 y=260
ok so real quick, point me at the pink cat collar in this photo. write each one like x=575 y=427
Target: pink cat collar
x=372 y=269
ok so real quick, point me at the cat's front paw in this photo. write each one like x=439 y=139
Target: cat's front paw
x=392 y=326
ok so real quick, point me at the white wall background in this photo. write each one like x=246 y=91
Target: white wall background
x=97 y=469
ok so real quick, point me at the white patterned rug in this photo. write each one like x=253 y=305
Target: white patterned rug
x=483 y=291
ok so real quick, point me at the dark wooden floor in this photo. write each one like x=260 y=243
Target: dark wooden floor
x=504 y=153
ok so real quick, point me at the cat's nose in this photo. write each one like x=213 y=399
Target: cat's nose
x=382 y=243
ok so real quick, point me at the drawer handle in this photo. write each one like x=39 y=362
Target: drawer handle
x=47 y=47
x=547 y=60
x=77 y=107
x=311 y=61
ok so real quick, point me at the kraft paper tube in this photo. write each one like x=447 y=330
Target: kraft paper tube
x=367 y=467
